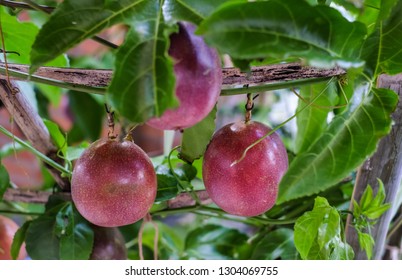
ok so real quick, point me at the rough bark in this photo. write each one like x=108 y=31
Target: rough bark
x=32 y=126
x=385 y=164
x=231 y=76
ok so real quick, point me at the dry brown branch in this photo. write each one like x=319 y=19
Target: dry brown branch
x=32 y=126
x=231 y=76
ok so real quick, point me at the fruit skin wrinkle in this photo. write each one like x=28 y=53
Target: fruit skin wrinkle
x=198 y=73
x=249 y=187
x=113 y=183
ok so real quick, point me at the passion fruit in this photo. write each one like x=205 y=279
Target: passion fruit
x=113 y=183
x=248 y=186
x=198 y=74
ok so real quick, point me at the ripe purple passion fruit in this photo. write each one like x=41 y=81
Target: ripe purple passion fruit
x=109 y=244
x=198 y=80
x=8 y=228
x=113 y=183
x=249 y=187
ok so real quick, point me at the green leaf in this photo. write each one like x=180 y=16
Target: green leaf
x=74 y=153
x=77 y=238
x=214 y=242
x=19 y=37
x=366 y=243
x=380 y=197
x=186 y=172
x=189 y=10
x=366 y=199
x=74 y=21
x=349 y=139
x=143 y=81
x=57 y=136
x=313 y=120
x=376 y=212
x=381 y=50
x=277 y=244
x=285 y=29
x=196 y=138
x=42 y=243
x=4 y=181
x=369 y=14
x=19 y=239
x=88 y=114
x=167 y=187
x=317 y=233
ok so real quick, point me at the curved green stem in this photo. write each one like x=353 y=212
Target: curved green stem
x=35 y=152
x=20 y=213
x=52 y=82
x=259 y=219
x=175 y=211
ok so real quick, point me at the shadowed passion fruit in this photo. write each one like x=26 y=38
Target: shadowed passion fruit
x=109 y=244
x=198 y=74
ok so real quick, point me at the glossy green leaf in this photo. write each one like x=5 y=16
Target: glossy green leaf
x=77 y=236
x=143 y=81
x=196 y=138
x=369 y=14
x=185 y=171
x=366 y=242
x=366 y=199
x=74 y=21
x=376 y=212
x=380 y=196
x=317 y=233
x=382 y=50
x=167 y=186
x=4 y=181
x=284 y=29
x=57 y=136
x=214 y=242
x=189 y=10
x=42 y=243
x=313 y=120
x=349 y=139
x=75 y=152
x=88 y=114
x=19 y=239
x=19 y=37
x=277 y=244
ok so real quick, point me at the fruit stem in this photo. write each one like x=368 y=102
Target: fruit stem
x=35 y=152
x=249 y=107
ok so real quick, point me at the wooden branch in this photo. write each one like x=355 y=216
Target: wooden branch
x=28 y=196
x=41 y=197
x=32 y=126
x=385 y=164
x=231 y=76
